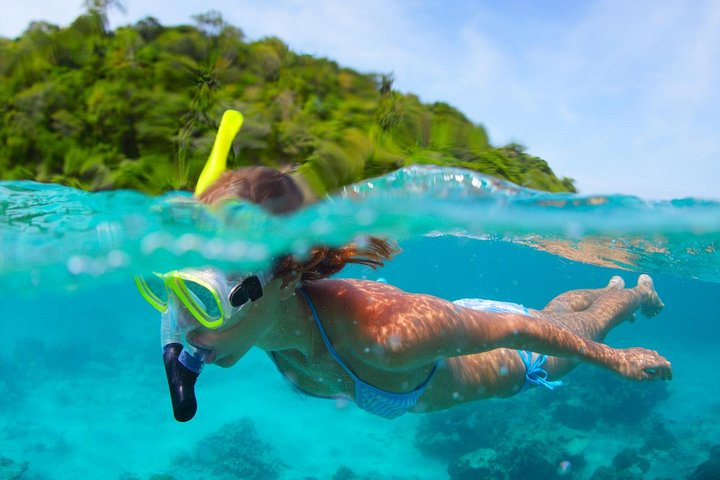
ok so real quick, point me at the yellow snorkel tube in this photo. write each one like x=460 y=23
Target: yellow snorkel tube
x=216 y=163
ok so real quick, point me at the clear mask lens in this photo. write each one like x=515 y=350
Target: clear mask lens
x=157 y=288
x=206 y=300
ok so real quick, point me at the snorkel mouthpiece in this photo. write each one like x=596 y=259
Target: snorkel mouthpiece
x=181 y=381
x=182 y=368
x=182 y=364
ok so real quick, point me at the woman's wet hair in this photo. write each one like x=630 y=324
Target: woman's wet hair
x=275 y=191
x=324 y=261
x=279 y=194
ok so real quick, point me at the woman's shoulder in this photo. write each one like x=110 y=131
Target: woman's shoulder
x=350 y=292
x=365 y=306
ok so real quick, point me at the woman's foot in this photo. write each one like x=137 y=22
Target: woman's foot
x=617 y=283
x=651 y=303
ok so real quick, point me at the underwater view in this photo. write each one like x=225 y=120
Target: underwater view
x=84 y=392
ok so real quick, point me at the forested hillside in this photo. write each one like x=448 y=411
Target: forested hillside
x=138 y=107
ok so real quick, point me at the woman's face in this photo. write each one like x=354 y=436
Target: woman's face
x=248 y=326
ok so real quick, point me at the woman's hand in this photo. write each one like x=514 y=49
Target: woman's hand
x=641 y=364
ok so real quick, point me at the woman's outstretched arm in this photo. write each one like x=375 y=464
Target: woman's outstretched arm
x=429 y=328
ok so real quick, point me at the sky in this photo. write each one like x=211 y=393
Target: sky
x=623 y=97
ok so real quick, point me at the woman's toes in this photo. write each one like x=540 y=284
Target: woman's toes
x=652 y=305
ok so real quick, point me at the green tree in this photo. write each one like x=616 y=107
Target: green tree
x=138 y=108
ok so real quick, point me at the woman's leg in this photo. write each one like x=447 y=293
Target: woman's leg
x=579 y=300
x=612 y=306
x=501 y=372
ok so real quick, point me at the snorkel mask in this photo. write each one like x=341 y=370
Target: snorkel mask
x=208 y=295
x=192 y=298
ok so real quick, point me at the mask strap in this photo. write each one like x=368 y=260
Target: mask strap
x=249 y=289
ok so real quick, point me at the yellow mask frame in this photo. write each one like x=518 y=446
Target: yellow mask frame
x=175 y=282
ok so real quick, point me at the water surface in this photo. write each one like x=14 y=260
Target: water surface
x=84 y=389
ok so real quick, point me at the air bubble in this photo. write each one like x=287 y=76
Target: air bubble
x=214 y=249
x=320 y=227
x=341 y=402
x=187 y=242
x=117 y=259
x=76 y=264
x=365 y=217
x=153 y=242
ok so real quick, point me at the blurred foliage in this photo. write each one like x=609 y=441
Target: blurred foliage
x=138 y=108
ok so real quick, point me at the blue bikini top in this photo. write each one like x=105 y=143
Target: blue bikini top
x=367 y=397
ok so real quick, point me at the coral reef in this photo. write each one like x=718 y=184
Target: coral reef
x=38 y=438
x=629 y=458
x=12 y=470
x=611 y=473
x=578 y=417
x=235 y=451
x=528 y=458
x=604 y=398
x=544 y=434
x=154 y=476
x=344 y=473
x=464 y=429
x=657 y=437
x=709 y=470
x=627 y=464
x=12 y=391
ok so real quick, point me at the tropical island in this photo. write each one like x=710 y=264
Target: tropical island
x=138 y=107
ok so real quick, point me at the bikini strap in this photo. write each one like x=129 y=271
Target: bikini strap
x=339 y=360
x=325 y=338
x=534 y=373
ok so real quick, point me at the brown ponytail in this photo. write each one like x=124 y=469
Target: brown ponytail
x=324 y=261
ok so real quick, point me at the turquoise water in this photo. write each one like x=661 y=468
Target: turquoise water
x=83 y=386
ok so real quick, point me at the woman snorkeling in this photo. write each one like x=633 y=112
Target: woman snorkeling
x=392 y=351
x=389 y=351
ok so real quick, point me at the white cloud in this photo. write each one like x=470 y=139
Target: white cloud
x=624 y=100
